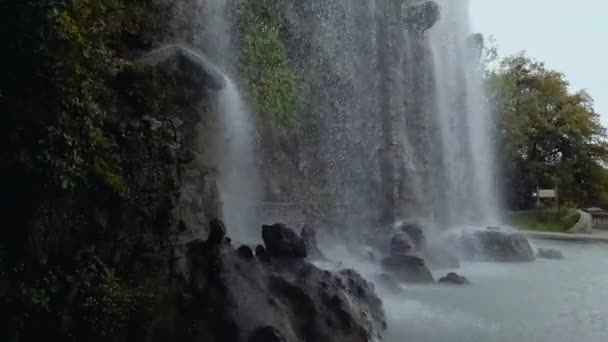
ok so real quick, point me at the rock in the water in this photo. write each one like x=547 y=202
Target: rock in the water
x=266 y=334
x=245 y=252
x=217 y=232
x=416 y=235
x=309 y=235
x=282 y=242
x=408 y=268
x=455 y=279
x=549 y=254
x=422 y=16
x=400 y=244
x=490 y=245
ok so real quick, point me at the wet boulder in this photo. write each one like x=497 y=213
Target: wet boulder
x=496 y=246
x=544 y=253
x=261 y=253
x=282 y=242
x=407 y=268
x=454 y=279
x=217 y=232
x=287 y=300
x=245 y=252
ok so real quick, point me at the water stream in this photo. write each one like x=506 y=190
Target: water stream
x=464 y=120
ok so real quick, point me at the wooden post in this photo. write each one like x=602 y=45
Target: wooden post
x=557 y=201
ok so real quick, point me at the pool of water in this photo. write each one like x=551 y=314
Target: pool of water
x=547 y=300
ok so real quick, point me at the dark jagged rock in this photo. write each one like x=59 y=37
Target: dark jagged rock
x=400 y=244
x=455 y=279
x=422 y=16
x=217 y=232
x=261 y=253
x=549 y=254
x=490 y=245
x=245 y=252
x=282 y=242
x=266 y=334
x=408 y=268
x=287 y=300
x=309 y=236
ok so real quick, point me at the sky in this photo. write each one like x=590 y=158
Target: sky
x=569 y=36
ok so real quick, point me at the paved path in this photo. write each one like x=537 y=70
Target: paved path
x=597 y=236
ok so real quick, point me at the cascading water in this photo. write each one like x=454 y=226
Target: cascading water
x=464 y=120
x=236 y=149
x=238 y=178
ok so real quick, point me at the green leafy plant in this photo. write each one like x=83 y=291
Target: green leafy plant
x=274 y=84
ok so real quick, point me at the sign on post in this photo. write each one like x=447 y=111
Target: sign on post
x=546 y=193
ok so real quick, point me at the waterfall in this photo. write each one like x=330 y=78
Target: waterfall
x=465 y=123
x=236 y=150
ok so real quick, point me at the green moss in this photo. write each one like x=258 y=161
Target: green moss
x=274 y=84
x=110 y=307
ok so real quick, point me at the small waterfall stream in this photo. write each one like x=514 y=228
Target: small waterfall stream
x=237 y=153
x=239 y=184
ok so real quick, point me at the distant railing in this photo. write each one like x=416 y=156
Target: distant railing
x=599 y=218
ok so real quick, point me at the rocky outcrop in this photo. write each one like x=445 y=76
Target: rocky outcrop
x=282 y=242
x=407 y=268
x=285 y=299
x=491 y=245
x=454 y=279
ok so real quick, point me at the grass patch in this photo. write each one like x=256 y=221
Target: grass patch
x=545 y=220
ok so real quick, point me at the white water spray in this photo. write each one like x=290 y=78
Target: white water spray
x=238 y=175
x=236 y=150
x=465 y=121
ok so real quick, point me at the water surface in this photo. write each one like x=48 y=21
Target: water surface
x=547 y=300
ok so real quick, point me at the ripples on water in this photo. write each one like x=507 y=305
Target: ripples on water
x=547 y=300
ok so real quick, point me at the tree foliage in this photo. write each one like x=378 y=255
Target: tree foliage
x=550 y=135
